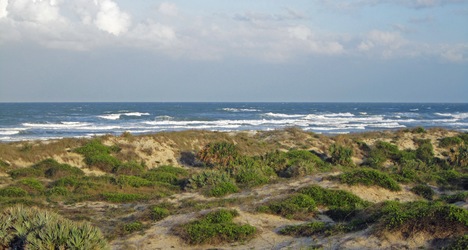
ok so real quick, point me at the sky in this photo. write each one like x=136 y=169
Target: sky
x=234 y=51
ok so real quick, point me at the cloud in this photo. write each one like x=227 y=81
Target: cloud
x=168 y=9
x=416 y=4
x=3 y=8
x=40 y=11
x=455 y=53
x=111 y=19
x=387 y=44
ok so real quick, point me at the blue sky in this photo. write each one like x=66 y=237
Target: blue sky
x=213 y=50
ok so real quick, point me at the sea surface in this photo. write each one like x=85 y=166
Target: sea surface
x=31 y=121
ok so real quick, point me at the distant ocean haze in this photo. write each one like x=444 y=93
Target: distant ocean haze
x=31 y=121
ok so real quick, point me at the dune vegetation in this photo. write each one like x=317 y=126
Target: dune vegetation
x=289 y=188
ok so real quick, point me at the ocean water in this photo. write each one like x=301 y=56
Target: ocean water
x=31 y=121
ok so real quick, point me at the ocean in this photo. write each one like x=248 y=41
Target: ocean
x=41 y=121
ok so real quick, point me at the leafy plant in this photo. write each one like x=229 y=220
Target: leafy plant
x=369 y=177
x=296 y=206
x=218 y=153
x=133 y=226
x=33 y=228
x=216 y=227
x=12 y=191
x=423 y=191
x=159 y=213
x=341 y=154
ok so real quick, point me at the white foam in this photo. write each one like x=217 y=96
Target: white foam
x=454 y=115
x=240 y=110
x=164 y=117
x=118 y=115
x=61 y=125
x=279 y=115
x=11 y=131
x=413 y=110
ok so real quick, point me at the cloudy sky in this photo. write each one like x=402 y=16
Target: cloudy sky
x=243 y=50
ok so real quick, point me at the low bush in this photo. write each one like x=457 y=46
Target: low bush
x=12 y=191
x=459 y=243
x=25 y=172
x=297 y=206
x=438 y=219
x=132 y=181
x=369 y=177
x=159 y=213
x=450 y=141
x=461 y=196
x=99 y=155
x=424 y=191
x=218 y=153
x=341 y=155
x=305 y=230
x=31 y=185
x=216 y=227
x=129 y=168
x=133 y=227
x=33 y=228
x=57 y=191
x=222 y=189
x=209 y=177
x=123 y=197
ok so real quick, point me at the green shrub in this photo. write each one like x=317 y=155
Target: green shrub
x=424 y=191
x=341 y=155
x=333 y=198
x=460 y=243
x=13 y=192
x=129 y=168
x=159 y=213
x=210 y=177
x=222 y=189
x=60 y=191
x=216 y=227
x=218 y=153
x=461 y=157
x=450 y=141
x=25 y=172
x=132 y=181
x=99 y=155
x=413 y=217
x=305 y=230
x=425 y=152
x=133 y=226
x=62 y=170
x=161 y=177
x=33 y=228
x=369 y=177
x=31 y=185
x=461 y=196
x=123 y=197
x=418 y=130
x=295 y=206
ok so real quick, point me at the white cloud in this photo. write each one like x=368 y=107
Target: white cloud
x=455 y=53
x=418 y=4
x=168 y=9
x=111 y=19
x=3 y=8
x=385 y=43
x=40 y=11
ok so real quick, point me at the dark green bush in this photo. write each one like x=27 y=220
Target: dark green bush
x=132 y=227
x=123 y=197
x=460 y=243
x=99 y=155
x=222 y=189
x=369 y=177
x=159 y=213
x=216 y=227
x=132 y=181
x=425 y=152
x=305 y=230
x=32 y=228
x=341 y=155
x=450 y=141
x=31 y=185
x=295 y=206
x=424 y=191
x=461 y=196
x=13 y=192
x=25 y=172
x=218 y=153
x=60 y=191
x=207 y=178
x=129 y=168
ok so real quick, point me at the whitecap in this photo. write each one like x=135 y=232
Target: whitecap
x=240 y=109
x=279 y=115
x=61 y=125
